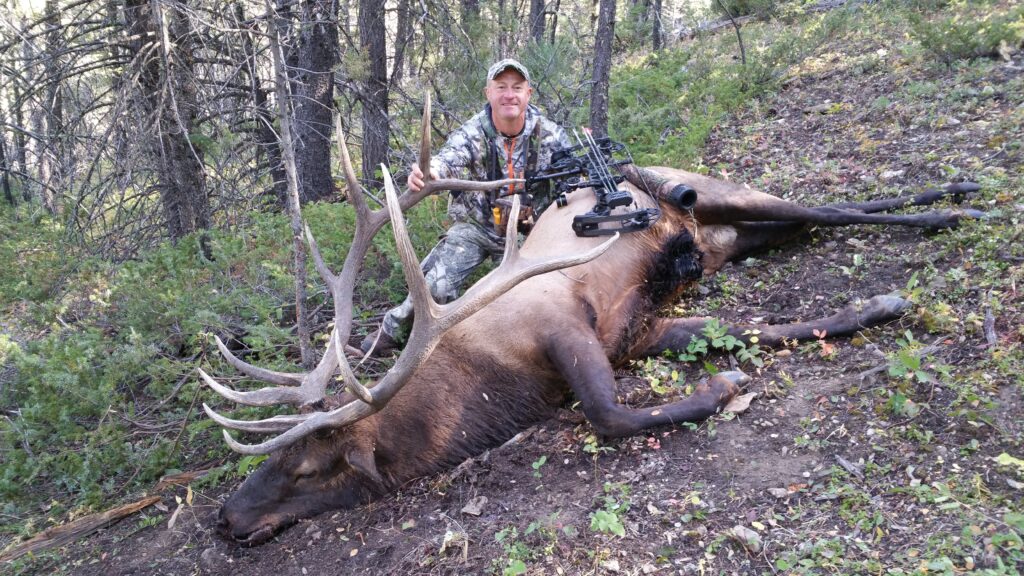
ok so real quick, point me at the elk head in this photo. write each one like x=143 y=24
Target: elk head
x=323 y=457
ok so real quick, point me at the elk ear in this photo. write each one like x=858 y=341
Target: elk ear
x=362 y=461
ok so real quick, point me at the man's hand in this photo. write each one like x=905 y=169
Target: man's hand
x=416 y=182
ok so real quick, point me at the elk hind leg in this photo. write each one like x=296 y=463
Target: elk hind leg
x=757 y=236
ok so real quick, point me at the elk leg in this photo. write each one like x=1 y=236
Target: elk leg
x=758 y=236
x=583 y=363
x=958 y=191
x=764 y=207
x=675 y=334
x=720 y=202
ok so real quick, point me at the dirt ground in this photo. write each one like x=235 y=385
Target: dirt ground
x=816 y=468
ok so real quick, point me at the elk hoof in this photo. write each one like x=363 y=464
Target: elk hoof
x=720 y=388
x=886 y=306
x=961 y=190
x=738 y=378
x=973 y=214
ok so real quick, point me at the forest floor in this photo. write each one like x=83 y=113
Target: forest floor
x=836 y=467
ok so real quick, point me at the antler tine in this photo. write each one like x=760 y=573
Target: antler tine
x=310 y=423
x=424 y=158
x=295 y=389
x=262 y=397
x=418 y=289
x=355 y=195
x=255 y=372
x=274 y=424
x=318 y=259
x=349 y=377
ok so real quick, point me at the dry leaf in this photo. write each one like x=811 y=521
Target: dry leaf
x=746 y=537
x=739 y=404
x=174 y=516
x=475 y=506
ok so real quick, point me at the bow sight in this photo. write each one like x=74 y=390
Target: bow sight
x=589 y=165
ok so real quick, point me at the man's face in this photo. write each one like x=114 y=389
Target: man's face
x=508 y=94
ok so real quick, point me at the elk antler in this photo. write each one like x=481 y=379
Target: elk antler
x=430 y=319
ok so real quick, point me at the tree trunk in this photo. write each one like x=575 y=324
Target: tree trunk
x=36 y=152
x=264 y=134
x=20 y=142
x=554 y=20
x=344 y=18
x=314 y=97
x=469 y=12
x=6 y=168
x=52 y=114
x=503 y=40
x=536 y=20
x=402 y=38
x=602 y=68
x=294 y=206
x=376 y=131
x=656 y=39
x=168 y=98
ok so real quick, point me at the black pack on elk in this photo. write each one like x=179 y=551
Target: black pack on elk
x=553 y=320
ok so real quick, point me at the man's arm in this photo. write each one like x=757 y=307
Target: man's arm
x=561 y=138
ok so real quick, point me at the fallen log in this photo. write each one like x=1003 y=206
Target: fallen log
x=67 y=533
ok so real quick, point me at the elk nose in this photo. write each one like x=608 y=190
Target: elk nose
x=223 y=524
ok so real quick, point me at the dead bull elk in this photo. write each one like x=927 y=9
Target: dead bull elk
x=515 y=345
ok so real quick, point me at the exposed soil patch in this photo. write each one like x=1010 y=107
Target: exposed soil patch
x=825 y=465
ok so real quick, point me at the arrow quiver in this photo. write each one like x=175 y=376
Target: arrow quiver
x=590 y=164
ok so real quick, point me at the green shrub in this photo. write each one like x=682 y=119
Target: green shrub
x=969 y=31
x=735 y=8
x=32 y=266
x=665 y=105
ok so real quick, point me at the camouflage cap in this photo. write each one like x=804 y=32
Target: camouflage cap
x=506 y=64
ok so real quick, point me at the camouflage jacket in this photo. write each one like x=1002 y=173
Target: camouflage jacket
x=465 y=155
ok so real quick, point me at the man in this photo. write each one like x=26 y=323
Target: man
x=509 y=138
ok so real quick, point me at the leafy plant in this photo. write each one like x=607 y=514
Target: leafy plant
x=821 y=346
x=661 y=377
x=907 y=362
x=248 y=463
x=608 y=519
x=536 y=465
x=516 y=553
x=717 y=337
x=591 y=445
x=856 y=267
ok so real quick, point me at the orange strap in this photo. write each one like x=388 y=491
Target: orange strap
x=510 y=145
